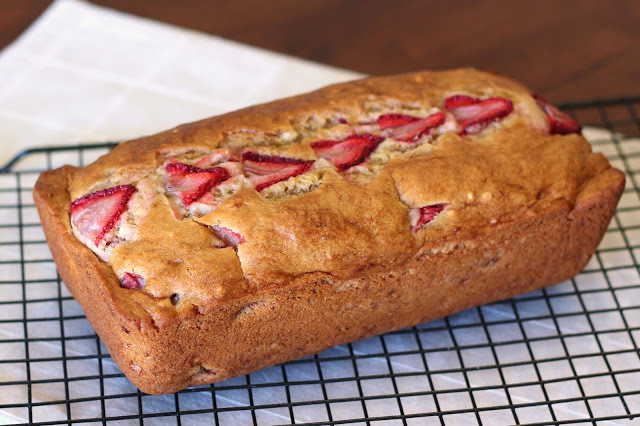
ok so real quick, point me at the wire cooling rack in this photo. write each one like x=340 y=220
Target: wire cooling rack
x=564 y=355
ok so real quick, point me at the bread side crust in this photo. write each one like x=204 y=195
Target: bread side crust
x=315 y=311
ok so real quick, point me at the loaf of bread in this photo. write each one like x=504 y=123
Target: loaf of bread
x=242 y=241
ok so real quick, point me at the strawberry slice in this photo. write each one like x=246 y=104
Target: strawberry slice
x=560 y=122
x=348 y=152
x=229 y=237
x=132 y=281
x=394 y=120
x=474 y=114
x=422 y=215
x=216 y=158
x=191 y=183
x=266 y=170
x=456 y=101
x=406 y=128
x=96 y=214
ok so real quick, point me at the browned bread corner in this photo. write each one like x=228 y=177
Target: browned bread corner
x=270 y=233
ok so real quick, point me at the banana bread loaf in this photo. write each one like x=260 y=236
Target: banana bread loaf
x=241 y=241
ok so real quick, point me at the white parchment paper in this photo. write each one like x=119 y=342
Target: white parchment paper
x=82 y=73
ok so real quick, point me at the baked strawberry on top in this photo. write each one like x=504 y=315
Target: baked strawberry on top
x=560 y=122
x=132 y=281
x=348 y=152
x=475 y=114
x=191 y=183
x=227 y=236
x=217 y=158
x=407 y=128
x=95 y=215
x=266 y=170
x=422 y=215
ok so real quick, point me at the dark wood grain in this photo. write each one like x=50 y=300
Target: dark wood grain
x=569 y=50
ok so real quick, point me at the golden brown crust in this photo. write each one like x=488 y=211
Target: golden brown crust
x=340 y=262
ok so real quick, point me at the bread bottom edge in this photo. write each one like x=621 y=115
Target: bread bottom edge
x=317 y=312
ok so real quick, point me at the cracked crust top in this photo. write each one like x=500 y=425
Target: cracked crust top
x=185 y=255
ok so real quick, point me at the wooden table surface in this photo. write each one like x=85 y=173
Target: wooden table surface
x=564 y=50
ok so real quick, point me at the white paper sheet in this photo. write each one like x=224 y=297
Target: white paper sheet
x=83 y=73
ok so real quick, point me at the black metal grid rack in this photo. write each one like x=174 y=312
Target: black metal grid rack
x=565 y=355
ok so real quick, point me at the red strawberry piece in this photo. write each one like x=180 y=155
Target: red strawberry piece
x=215 y=158
x=348 y=152
x=474 y=114
x=229 y=237
x=395 y=120
x=96 y=214
x=406 y=128
x=266 y=170
x=426 y=214
x=560 y=122
x=233 y=167
x=132 y=281
x=456 y=101
x=191 y=183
